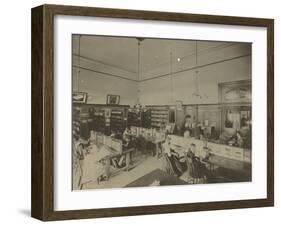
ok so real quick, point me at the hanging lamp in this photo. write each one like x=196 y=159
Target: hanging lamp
x=171 y=101
x=79 y=57
x=171 y=78
x=197 y=94
x=138 y=104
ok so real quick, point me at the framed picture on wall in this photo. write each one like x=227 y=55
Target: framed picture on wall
x=112 y=99
x=79 y=97
x=238 y=91
x=220 y=67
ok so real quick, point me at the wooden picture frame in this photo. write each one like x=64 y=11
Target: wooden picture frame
x=79 y=97
x=231 y=92
x=42 y=203
x=112 y=99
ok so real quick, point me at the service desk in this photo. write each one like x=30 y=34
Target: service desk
x=182 y=144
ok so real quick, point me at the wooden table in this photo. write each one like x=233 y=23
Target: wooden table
x=155 y=141
x=157 y=174
x=127 y=153
x=157 y=144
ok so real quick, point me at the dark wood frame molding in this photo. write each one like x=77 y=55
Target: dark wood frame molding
x=42 y=203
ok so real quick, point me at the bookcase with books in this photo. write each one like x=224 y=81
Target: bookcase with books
x=159 y=116
x=146 y=118
x=134 y=117
x=117 y=120
x=99 y=121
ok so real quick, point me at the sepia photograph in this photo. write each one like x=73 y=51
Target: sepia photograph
x=160 y=112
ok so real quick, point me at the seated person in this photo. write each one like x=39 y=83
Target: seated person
x=76 y=163
x=207 y=153
x=236 y=140
x=113 y=134
x=177 y=130
x=187 y=125
x=81 y=147
x=163 y=127
x=195 y=168
x=206 y=157
x=118 y=161
x=172 y=164
x=127 y=138
x=189 y=160
x=239 y=139
x=225 y=137
x=186 y=134
x=94 y=170
x=89 y=167
x=214 y=134
x=126 y=134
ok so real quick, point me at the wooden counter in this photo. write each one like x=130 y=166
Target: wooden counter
x=222 y=150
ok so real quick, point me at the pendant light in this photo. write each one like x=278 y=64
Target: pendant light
x=197 y=94
x=171 y=79
x=79 y=57
x=139 y=71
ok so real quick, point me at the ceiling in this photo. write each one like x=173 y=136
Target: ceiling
x=122 y=52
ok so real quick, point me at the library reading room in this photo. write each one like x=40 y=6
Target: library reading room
x=157 y=112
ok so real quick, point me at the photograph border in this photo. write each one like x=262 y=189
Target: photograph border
x=42 y=168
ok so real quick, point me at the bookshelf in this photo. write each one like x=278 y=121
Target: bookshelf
x=134 y=117
x=99 y=121
x=146 y=118
x=159 y=115
x=117 y=120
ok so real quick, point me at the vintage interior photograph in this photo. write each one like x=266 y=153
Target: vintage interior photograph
x=158 y=112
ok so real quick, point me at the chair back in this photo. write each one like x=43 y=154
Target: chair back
x=167 y=165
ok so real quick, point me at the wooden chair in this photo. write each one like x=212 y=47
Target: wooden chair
x=195 y=174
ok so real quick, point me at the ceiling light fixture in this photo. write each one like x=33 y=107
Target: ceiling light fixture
x=197 y=93
x=171 y=79
x=78 y=72
x=139 y=70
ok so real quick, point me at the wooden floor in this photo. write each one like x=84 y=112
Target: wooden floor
x=146 y=163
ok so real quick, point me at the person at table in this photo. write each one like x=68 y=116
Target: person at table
x=118 y=161
x=127 y=136
x=206 y=157
x=177 y=130
x=79 y=154
x=189 y=161
x=187 y=125
x=76 y=163
x=196 y=168
x=239 y=139
x=81 y=147
x=186 y=134
x=171 y=160
x=126 y=133
x=236 y=140
x=193 y=163
x=163 y=127
x=113 y=134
